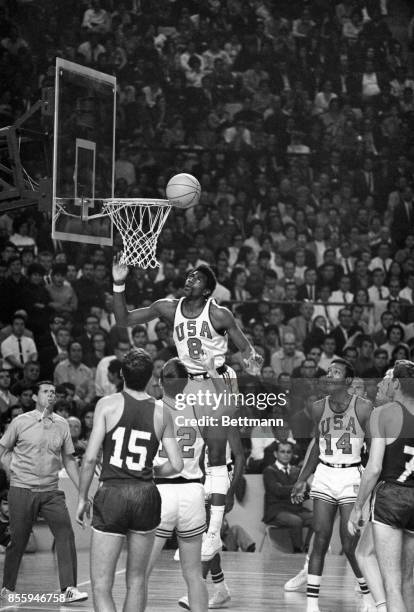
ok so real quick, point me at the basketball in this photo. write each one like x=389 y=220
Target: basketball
x=183 y=190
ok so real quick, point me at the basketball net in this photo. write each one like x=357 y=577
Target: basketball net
x=139 y=222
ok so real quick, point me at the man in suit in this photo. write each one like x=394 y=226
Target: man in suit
x=365 y=180
x=302 y=324
x=279 y=479
x=403 y=219
x=341 y=331
x=307 y=291
x=91 y=326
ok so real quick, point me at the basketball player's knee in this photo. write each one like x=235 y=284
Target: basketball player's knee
x=217 y=452
x=101 y=587
x=348 y=546
x=321 y=541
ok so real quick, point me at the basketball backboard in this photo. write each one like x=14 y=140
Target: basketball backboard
x=83 y=153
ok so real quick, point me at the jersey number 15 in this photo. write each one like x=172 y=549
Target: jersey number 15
x=138 y=453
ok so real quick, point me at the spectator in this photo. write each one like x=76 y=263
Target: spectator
x=279 y=510
x=63 y=299
x=73 y=370
x=287 y=358
x=96 y=19
x=7 y=399
x=102 y=385
x=17 y=349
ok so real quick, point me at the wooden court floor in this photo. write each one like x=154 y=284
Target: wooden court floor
x=255 y=581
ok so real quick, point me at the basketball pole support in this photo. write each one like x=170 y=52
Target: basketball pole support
x=16 y=190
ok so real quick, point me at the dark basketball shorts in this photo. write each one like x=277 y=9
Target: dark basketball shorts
x=393 y=504
x=127 y=507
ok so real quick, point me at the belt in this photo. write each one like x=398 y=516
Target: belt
x=340 y=465
x=177 y=480
x=203 y=375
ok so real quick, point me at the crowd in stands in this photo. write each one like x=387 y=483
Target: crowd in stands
x=297 y=119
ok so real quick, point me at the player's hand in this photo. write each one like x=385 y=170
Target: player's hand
x=253 y=363
x=207 y=360
x=298 y=493
x=355 y=522
x=83 y=512
x=119 y=271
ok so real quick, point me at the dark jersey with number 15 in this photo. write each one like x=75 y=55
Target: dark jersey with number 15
x=130 y=447
x=398 y=461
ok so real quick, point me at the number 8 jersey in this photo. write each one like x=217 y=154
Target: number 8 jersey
x=192 y=335
x=340 y=435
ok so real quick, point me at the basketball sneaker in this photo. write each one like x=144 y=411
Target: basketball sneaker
x=4 y=595
x=73 y=594
x=184 y=603
x=221 y=596
x=298 y=582
x=212 y=544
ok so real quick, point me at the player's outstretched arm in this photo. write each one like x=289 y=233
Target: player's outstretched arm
x=165 y=432
x=90 y=458
x=224 y=320
x=125 y=317
x=311 y=458
x=373 y=469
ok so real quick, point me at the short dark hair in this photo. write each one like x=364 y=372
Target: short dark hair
x=395 y=326
x=137 y=369
x=115 y=366
x=62 y=404
x=349 y=370
x=404 y=372
x=283 y=443
x=380 y=351
x=174 y=377
x=210 y=276
x=138 y=329
x=59 y=268
x=36 y=268
x=36 y=387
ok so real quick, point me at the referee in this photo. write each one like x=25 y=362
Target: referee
x=32 y=450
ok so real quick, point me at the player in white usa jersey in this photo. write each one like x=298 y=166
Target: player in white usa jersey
x=198 y=323
x=182 y=496
x=335 y=458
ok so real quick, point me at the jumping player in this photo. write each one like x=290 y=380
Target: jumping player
x=129 y=425
x=335 y=458
x=391 y=463
x=199 y=323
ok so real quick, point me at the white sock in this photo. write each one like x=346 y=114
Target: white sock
x=312 y=592
x=381 y=606
x=216 y=519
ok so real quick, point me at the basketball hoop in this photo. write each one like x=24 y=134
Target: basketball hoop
x=139 y=222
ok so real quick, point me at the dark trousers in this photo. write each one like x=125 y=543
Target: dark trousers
x=295 y=521
x=24 y=508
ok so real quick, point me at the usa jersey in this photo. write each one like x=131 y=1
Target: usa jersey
x=129 y=448
x=192 y=335
x=340 y=435
x=190 y=442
